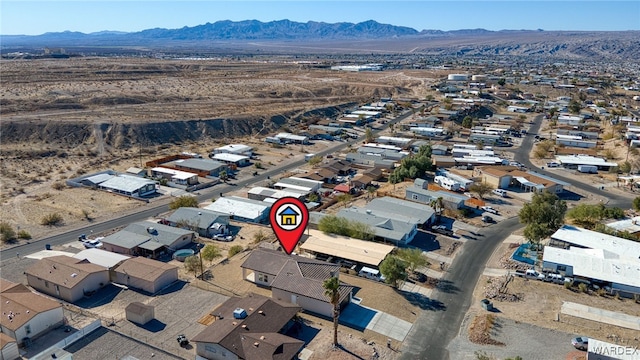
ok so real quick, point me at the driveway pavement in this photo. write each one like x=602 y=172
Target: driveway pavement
x=362 y=317
x=600 y=315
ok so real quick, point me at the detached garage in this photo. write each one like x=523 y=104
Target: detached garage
x=8 y=348
x=145 y=274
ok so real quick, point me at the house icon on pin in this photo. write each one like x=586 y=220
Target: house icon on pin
x=289 y=216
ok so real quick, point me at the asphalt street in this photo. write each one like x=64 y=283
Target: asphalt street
x=154 y=208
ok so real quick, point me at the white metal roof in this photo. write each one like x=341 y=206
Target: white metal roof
x=364 y=252
x=276 y=194
x=596 y=264
x=631 y=225
x=99 y=178
x=241 y=207
x=381 y=146
x=399 y=140
x=583 y=160
x=230 y=157
x=234 y=148
x=180 y=175
x=568 y=137
x=595 y=240
x=290 y=136
x=126 y=183
x=101 y=257
x=366 y=112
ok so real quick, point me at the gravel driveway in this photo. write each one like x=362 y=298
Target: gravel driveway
x=528 y=341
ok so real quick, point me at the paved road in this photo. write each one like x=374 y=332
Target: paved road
x=434 y=330
x=152 y=209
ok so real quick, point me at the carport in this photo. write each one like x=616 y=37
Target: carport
x=529 y=186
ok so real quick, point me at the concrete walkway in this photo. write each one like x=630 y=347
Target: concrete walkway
x=438 y=257
x=495 y=272
x=600 y=315
x=415 y=288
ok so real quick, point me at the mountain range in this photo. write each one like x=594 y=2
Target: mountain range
x=368 y=36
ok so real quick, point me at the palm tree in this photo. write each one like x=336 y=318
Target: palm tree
x=438 y=206
x=331 y=286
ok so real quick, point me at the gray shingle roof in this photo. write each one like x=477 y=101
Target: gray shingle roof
x=200 y=164
x=401 y=209
x=126 y=239
x=163 y=234
x=384 y=227
x=203 y=218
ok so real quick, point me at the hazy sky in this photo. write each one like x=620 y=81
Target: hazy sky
x=37 y=17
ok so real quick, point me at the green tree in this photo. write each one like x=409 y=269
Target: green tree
x=360 y=230
x=192 y=264
x=467 y=122
x=553 y=111
x=412 y=258
x=371 y=191
x=184 y=201
x=210 y=252
x=481 y=189
x=543 y=216
x=368 y=135
x=625 y=167
x=223 y=175
x=636 y=203
x=7 y=233
x=574 y=106
x=502 y=81
x=393 y=269
x=331 y=290
x=313 y=197
x=438 y=206
x=331 y=224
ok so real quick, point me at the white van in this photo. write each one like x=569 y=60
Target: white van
x=370 y=273
x=500 y=192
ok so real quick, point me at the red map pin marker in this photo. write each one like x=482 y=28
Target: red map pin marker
x=289 y=218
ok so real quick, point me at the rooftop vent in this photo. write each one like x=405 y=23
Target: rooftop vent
x=239 y=313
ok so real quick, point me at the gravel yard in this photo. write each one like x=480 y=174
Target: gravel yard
x=531 y=342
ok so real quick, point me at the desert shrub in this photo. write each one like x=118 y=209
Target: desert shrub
x=601 y=292
x=568 y=284
x=52 y=219
x=583 y=287
x=235 y=249
x=183 y=201
x=7 y=234
x=24 y=234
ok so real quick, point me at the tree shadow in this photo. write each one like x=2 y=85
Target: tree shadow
x=447 y=286
x=423 y=302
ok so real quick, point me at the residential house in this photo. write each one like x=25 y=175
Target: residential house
x=325 y=175
x=299 y=184
x=294 y=278
x=106 y=259
x=127 y=185
x=420 y=193
x=395 y=228
x=205 y=222
x=249 y=328
x=232 y=159
x=147 y=238
x=25 y=314
x=174 y=176
x=260 y=193
x=8 y=348
x=66 y=278
x=503 y=177
x=242 y=209
x=288 y=138
x=204 y=166
x=370 y=160
x=145 y=274
x=237 y=149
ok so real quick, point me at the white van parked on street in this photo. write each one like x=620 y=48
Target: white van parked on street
x=500 y=192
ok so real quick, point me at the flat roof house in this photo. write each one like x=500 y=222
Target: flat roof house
x=342 y=247
x=200 y=220
x=238 y=149
x=147 y=238
x=66 y=278
x=210 y=167
x=26 y=314
x=145 y=274
x=249 y=328
x=261 y=193
x=294 y=278
x=242 y=209
x=128 y=185
x=503 y=177
x=288 y=138
x=299 y=184
x=232 y=159
x=101 y=257
x=175 y=176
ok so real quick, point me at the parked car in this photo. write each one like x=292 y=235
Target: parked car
x=500 y=192
x=223 y=237
x=487 y=219
x=580 y=343
x=532 y=274
x=182 y=340
x=441 y=229
x=553 y=164
x=489 y=209
x=93 y=244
